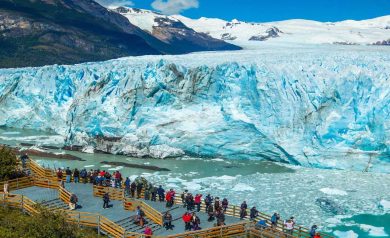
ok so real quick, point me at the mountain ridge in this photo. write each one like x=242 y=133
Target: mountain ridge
x=46 y=32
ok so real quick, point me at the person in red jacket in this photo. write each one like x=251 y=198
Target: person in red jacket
x=198 y=200
x=318 y=235
x=148 y=232
x=168 y=198
x=187 y=221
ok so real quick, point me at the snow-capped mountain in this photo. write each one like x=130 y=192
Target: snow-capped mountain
x=172 y=31
x=181 y=28
x=348 y=32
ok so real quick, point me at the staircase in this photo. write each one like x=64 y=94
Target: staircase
x=55 y=204
x=129 y=225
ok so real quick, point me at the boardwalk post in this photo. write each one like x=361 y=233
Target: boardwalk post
x=98 y=225
x=79 y=219
x=22 y=203
x=234 y=210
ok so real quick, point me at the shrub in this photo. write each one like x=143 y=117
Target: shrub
x=46 y=224
x=8 y=164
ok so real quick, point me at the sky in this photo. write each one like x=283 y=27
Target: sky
x=264 y=10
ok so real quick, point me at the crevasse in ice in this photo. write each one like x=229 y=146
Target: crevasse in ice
x=328 y=109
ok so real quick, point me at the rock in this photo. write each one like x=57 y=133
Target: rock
x=137 y=166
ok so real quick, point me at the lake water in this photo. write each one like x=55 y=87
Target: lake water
x=359 y=203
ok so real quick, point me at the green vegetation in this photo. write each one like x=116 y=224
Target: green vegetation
x=8 y=164
x=46 y=224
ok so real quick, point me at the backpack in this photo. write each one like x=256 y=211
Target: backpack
x=142 y=213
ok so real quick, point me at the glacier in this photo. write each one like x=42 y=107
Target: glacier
x=320 y=106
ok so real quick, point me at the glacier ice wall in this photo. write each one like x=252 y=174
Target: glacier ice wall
x=320 y=109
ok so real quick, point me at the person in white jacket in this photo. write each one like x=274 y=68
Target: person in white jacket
x=289 y=224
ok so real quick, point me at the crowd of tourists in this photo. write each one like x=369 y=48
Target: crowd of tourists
x=215 y=207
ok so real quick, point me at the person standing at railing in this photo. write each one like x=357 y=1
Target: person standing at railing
x=217 y=204
x=208 y=200
x=183 y=197
x=198 y=200
x=161 y=193
x=274 y=220
x=59 y=174
x=127 y=186
x=187 y=221
x=139 y=189
x=118 y=179
x=84 y=175
x=106 y=200
x=133 y=187
x=76 y=175
x=313 y=231
x=289 y=225
x=147 y=191
x=169 y=198
x=153 y=191
x=225 y=204
x=210 y=213
x=68 y=174
x=195 y=222
x=253 y=213
x=243 y=212
x=24 y=158
x=190 y=202
x=167 y=218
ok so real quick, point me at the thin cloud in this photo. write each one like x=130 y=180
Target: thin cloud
x=115 y=3
x=170 y=7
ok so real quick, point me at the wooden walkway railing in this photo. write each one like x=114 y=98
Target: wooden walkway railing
x=18 y=183
x=64 y=194
x=234 y=230
x=115 y=193
x=47 y=178
x=20 y=202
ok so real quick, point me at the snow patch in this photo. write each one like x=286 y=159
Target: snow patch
x=240 y=187
x=373 y=231
x=385 y=205
x=334 y=191
x=345 y=234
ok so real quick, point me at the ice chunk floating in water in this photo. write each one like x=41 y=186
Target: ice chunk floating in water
x=322 y=108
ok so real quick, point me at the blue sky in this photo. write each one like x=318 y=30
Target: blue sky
x=267 y=10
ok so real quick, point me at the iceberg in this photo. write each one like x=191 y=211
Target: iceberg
x=324 y=107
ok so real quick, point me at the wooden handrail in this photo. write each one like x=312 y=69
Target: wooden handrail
x=18 y=183
x=152 y=213
x=64 y=194
x=219 y=231
x=115 y=193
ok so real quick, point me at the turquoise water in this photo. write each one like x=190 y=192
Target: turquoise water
x=365 y=226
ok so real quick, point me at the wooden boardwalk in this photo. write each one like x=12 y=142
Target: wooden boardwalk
x=42 y=187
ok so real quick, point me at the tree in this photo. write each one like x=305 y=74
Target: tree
x=8 y=164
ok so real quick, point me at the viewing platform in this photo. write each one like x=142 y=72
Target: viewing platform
x=42 y=187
